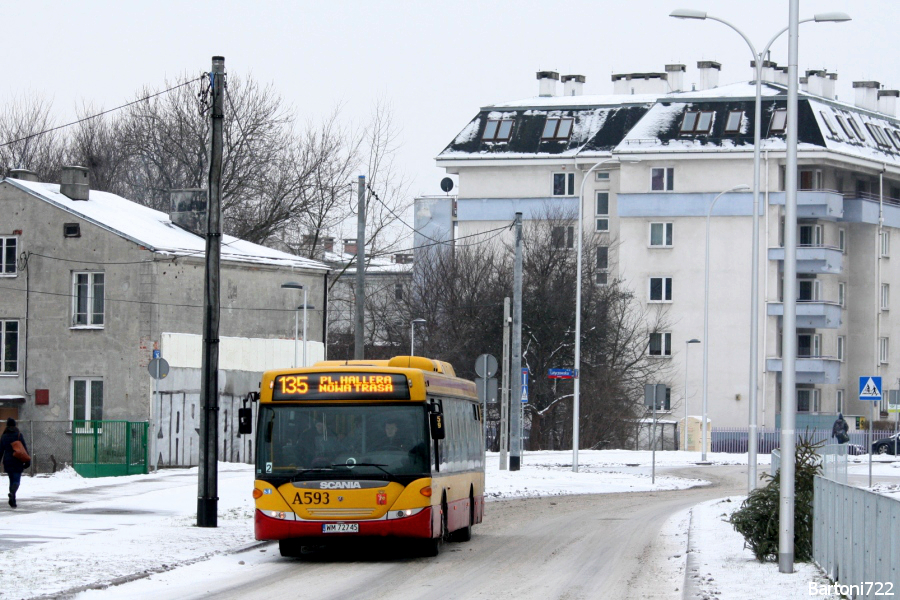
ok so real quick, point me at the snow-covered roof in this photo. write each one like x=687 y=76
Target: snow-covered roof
x=374 y=265
x=154 y=229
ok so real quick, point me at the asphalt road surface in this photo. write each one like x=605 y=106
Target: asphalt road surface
x=565 y=547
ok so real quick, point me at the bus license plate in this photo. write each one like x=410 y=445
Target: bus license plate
x=340 y=528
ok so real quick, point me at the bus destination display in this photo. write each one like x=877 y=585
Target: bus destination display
x=340 y=386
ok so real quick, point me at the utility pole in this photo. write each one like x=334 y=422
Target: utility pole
x=516 y=400
x=359 y=340
x=207 y=496
x=504 y=392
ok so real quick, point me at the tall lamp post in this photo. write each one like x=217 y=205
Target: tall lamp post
x=703 y=426
x=412 y=335
x=686 y=346
x=293 y=285
x=758 y=59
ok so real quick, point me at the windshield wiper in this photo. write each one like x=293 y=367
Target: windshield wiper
x=362 y=464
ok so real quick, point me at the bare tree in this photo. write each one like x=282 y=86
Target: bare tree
x=22 y=143
x=95 y=143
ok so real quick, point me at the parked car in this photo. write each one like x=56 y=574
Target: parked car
x=888 y=445
x=855 y=450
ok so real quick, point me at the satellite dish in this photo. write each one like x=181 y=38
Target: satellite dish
x=446 y=184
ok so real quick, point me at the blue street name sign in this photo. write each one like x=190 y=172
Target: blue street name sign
x=561 y=373
x=157 y=354
x=870 y=388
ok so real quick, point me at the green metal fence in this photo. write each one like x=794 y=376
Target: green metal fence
x=109 y=448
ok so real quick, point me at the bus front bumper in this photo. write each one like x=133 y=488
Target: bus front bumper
x=419 y=525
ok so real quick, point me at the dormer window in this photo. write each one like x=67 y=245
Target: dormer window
x=697 y=122
x=497 y=130
x=856 y=129
x=895 y=137
x=557 y=129
x=733 y=124
x=779 y=121
x=876 y=132
x=847 y=131
x=828 y=124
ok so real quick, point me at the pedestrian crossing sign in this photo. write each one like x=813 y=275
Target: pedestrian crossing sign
x=870 y=388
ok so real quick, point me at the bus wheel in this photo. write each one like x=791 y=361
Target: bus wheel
x=290 y=548
x=465 y=534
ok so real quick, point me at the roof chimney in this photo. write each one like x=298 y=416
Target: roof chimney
x=866 y=94
x=547 y=84
x=804 y=84
x=821 y=83
x=74 y=183
x=768 y=71
x=709 y=74
x=23 y=174
x=350 y=246
x=781 y=76
x=887 y=102
x=188 y=210
x=640 y=83
x=572 y=85
x=676 y=77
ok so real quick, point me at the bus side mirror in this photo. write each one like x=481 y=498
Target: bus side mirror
x=437 y=425
x=245 y=421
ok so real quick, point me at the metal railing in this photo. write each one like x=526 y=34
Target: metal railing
x=734 y=439
x=109 y=448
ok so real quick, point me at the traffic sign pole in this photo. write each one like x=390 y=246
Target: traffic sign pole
x=870 y=389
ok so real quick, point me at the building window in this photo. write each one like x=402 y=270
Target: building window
x=840 y=348
x=8 y=247
x=733 y=123
x=87 y=299
x=779 y=121
x=810 y=179
x=885 y=296
x=809 y=345
x=697 y=122
x=895 y=137
x=87 y=399
x=847 y=131
x=562 y=237
x=878 y=133
x=808 y=400
x=662 y=179
x=9 y=347
x=842 y=240
x=602 y=175
x=842 y=294
x=497 y=130
x=856 y=129
x=883 y=350
x=828 y=124
x=660 y=344
x=661 y=235
x=564 y=184
x=810 y=235
x=840 y=401
x=602 y=265
x=810 y=290
x=398 y=291
x=602 y=211
x=660 y=289
x=885 y=243
x=557 y=129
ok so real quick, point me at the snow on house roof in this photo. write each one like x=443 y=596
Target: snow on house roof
x=374 y=265
x=154 y=229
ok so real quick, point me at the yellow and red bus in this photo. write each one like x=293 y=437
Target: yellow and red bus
x=350 y=449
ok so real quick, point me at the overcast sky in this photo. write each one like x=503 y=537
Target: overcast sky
x=435 y=63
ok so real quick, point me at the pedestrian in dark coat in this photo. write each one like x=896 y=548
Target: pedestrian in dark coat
x=839 y=430
x=12 y=465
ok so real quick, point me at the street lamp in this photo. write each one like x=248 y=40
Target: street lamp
x=293 y=285
x=703 y=428
x=758 y=58
x=686 y=346
x=412 y=335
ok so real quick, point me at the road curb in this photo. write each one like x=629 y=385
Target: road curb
x=689 y=589
x=144 y=574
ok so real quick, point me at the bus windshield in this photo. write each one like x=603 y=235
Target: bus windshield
x=315 y=442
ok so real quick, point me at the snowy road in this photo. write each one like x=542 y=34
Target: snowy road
x=599 y=546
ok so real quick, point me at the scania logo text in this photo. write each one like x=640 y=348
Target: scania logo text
x=340 y=485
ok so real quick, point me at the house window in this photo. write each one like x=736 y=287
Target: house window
x=733 y=123
x=840 y=348
x=779 y=121
x=398 y=291
x=602 y=211
x=557 y=129
x=562 y=237
x=847 y=131
x=856 y=129
x=87 y=299
x=660 y=344
x=810 y=235
x=883 y=350
x=660 y=289
x=842 y=240
x=87 y=399
x=661 y=235
x=895 y=137
x=809 y=345
x=662 y=179
x=840 y=401
x=564 y=184
x=810 y=180
x=697 y=122
x=810 y=290
x=842 y=294
x=9 y=347
x=885 y=296
x=885 y=243
x=8 y=247
x=828 y=124
x=876 y=132
x=497 y=130
x=602 y=175
x=602 y=265
x=808 y=400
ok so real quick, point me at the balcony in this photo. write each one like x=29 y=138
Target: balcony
x=827 y=205
x=815 y=314
x=811 y=369
x=813 y=259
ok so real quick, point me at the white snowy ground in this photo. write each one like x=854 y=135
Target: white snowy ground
x=74 y=532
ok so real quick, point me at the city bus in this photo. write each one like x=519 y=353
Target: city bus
x=368 y=449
